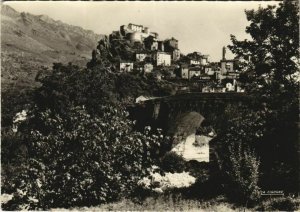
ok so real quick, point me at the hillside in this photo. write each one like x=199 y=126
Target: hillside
x=31 y=41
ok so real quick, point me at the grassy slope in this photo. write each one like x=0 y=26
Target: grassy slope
x=163 y=204
x=175 y=203
x=29 y=42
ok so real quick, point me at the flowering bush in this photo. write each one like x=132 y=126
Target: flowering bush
x=160 y=183
x=19 y=117
x=81 y=159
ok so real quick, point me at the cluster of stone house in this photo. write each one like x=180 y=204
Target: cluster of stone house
x=198 y=67
x=165 y=53
x=157 y=52
x=224 y=72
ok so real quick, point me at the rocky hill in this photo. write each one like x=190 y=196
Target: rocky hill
x=29 y=42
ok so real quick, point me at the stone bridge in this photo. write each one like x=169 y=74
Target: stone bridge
x=162 y=112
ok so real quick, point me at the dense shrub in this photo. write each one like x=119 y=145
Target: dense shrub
x=280 y=204
x=172 y=162
x=13 y=158
x=13 y=101
x=242 y=173
x=81 y=160
x=200 y=170
x=237 y=158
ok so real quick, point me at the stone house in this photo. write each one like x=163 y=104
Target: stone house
x=171 y=44
x=195 y=72
x=162 y=58
x=175 y=54
x=204 y=59
x=184 y=72
x=209 y=70
x=136 y=33
x=195 y=62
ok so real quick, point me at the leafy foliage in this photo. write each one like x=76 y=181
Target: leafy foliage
x=270 y=65
x=273 y=51
x=237 y=158
x=172 y=162
x=14 y=101
x=242 y=172
x=270 y=61
x=280 y=204
x=82 y=149
x=82 y=160
x=70 y=85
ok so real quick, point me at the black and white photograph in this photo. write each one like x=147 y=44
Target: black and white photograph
x=150 y=106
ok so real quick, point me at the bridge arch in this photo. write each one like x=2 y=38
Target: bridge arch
x=163 y=112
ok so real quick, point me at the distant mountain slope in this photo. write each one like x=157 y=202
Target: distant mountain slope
x=31 y=41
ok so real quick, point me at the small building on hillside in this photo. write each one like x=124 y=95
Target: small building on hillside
x=195 y=72
x=162 y=58
x=189 y=72
x=126 y=66
x=209 y=70
x=135 y=27
x=197 y=58
x=228 y=67
x=204 y=59
x=184 y=72
x=195 y=62
x=175 y=54
x=136 y=33
x=171 y=44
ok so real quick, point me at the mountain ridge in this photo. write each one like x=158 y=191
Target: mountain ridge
x=29 y=42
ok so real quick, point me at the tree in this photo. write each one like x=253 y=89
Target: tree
x=270 y=64
x=271 y=58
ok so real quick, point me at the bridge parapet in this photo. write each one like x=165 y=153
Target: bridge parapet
x=162 y=112
x=198 y=96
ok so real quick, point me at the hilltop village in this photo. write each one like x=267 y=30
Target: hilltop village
x=136 y=49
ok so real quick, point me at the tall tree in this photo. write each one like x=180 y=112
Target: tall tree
x=271 y=59
x=270 y=71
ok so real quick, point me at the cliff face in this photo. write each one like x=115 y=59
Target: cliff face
x=31 y=41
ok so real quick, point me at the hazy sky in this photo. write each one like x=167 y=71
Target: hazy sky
x=199 y=26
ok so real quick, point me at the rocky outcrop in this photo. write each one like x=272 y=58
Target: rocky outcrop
x=114 y=48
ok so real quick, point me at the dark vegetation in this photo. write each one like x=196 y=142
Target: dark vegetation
x=77 y=146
